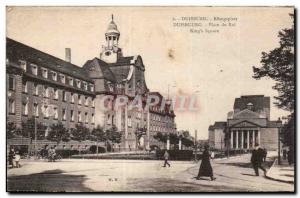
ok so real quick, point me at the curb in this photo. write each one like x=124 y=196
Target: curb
x=275 y=179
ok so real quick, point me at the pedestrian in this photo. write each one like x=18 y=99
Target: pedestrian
x=17 y=160
x=166 y=157
x=257 y=159
x=205 y=169
x=284 y=154
x=11 y=156
x=51 y=154
x=265 y=154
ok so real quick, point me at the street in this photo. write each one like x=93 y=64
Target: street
x=234 y=174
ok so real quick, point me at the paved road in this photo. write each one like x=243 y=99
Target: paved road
x=233 y=174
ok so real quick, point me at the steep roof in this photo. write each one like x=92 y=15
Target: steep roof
x=123 y=61
x=99 y=69
x=217 y=125
x=259 y=102
x=16 y=51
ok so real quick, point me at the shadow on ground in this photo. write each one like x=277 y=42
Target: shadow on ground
x=47 y=181
x=266 y=164
x=172 y=185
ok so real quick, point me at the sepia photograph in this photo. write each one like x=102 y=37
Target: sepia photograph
x=150 y=99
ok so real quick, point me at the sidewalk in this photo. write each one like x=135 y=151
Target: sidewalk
x=284 y=172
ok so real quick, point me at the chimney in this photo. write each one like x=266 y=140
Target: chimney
x=68 y=54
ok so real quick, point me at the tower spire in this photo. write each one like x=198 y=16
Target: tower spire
x=112 y=17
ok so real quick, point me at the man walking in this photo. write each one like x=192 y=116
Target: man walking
x=166 y=157
x=257 y=159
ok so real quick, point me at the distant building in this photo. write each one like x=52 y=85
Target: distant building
x=249 y=123
x=216 y=135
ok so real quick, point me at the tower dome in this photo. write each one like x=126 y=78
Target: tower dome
x=112 y=28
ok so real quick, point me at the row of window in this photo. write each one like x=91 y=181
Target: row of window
x=160 y=129
x=48 y=92
x=47 y=110
x=160 y=118
x=55 y=76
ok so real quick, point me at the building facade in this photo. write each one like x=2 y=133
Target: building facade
x=249 y=124
x=53 y=90
x=216 y=135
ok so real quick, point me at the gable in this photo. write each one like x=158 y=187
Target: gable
x=245 y=124
x=246 y=113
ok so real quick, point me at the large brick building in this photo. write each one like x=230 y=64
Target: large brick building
x=53 y=90
x=249 y=123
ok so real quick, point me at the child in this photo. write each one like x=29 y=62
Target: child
x=17 y=159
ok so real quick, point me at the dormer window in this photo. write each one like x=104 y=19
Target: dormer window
x=71 y=81
x=23 y=64
x=62 y=78
x=33 y=69
x=54 y=76
x=92 y=87
x=250 y=106
x=44 y=72
x=78 y=83
x=85 y=86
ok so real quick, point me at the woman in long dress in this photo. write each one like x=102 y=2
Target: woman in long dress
x=205 y=167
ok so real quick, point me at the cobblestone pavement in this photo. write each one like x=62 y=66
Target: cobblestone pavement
x=234 y=174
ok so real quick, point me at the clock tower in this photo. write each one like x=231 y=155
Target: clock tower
x=111 y=51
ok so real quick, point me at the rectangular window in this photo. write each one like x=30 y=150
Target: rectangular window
x=86 y=118
x=72 y=98
x=93 y=103
x=45 y=111
x=11 y=106
x=79 y=116
x=45 y=72
x=64 y=96
x=34 y=69
x=36 y=89
x=23 y=65
x=46 y=91
x=55 y=111
x=129 y=121
x=93 y=118
x=11 y=83
x=56 y=94
x=64 y=116
x=25 y=108
x=36 y=109
x=86 y=101
x=72 y=115
x=54 y=76
x=79 y=99
x=25 y=87
x=62 y=78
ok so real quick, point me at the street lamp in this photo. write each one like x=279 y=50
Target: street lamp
x=279 y=124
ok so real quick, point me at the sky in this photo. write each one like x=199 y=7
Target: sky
x=215 y=67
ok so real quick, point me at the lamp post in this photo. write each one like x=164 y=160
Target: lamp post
x=279 y=131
